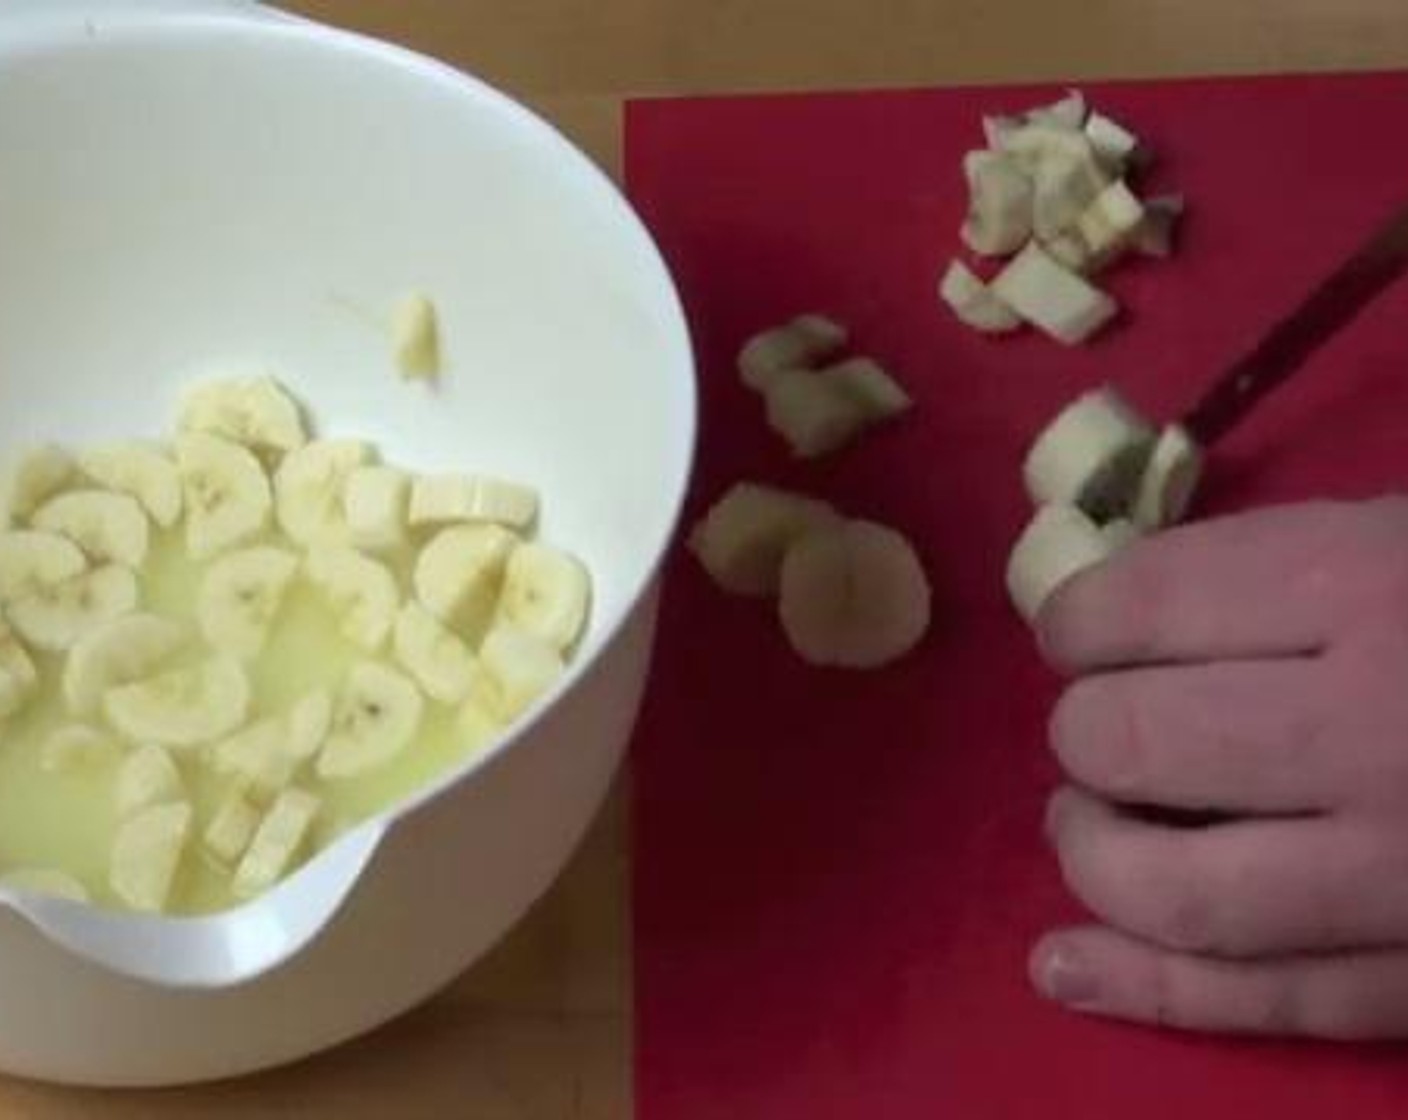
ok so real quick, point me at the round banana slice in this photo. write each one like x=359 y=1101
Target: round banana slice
x=147 y=776
x=30 y=480
x=1092 y=456
x=31 y=561
x=1169 y=481
x=46 y=881
x=185 y=707
x=141 y=470
x=1060 y=542
x=434 y=655
x=226 y=493
x=108 y=527
x=377 y=716
x=240 y=597
x=546 y=592
x=57 y=616
x=459 y=573
x=115 y=653
x=146 y=853
x=254 y=412
x=360 y=592
x=519 y=667
x=854 y=595
x=310 y=487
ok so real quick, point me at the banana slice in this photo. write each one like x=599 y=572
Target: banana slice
x=231 y=828
x=1111 y=223
x=519 y=667
x=375 y=505
x=361 y=592
x=1000 y=204
x=1115 y=146
x=1060 y=542
x=1092 y=455
x=183 y=707
x=446 y=499
x=47 y=881
x=853 y=595
x=377 y=716
x=226 y=493
x=116 y=653
x=459 y=573
x=309 y=722
x=57 y=616
x=258 y=756
x=108 y=527
x=19 y=678
x=1069 y=250
x=310 y=488
x=743 y=537
x=254 y=412
x=240 y=598
x=1067 y=182
x=33 y=478
x=546 y=592
x=415 y=333
x=1053 y=298
x=811 y=415
x=31 y=561
x=146 y=854
x=804 y=342
x=1169 y=480
x=974 y=303
x=75 y=747
x=140 y=470
x=276 y=842
x=438 y=660
x=147 y=777
x=871 y=386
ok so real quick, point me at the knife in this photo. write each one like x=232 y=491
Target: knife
x=1329 y=308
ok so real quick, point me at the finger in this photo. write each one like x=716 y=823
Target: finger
x=1271 y=583
x=1252 y=887
x=1102 y=972
x=1254 y=736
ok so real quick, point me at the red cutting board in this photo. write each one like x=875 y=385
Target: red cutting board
x=838 y=875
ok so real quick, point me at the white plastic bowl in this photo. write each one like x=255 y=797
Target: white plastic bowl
x=186 y=186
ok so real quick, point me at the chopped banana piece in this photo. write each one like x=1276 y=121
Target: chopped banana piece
x=974 y=303
x=309 y=490
x=450 y=498
x=377 y=716
x=361 y=592
x=1161 y=218
x=142 y=471
x=742 y=539
x=232 y=827
x=803 y=343
x=520 y=667
x=74 y=747
x=870 y=385
x=146 y=854
x=227 y=494
x=309 y=722
x=1115 y=146
x=118 y=652
x=434 y=655
x=1092 y=456
x=185 y=707
x=31 y=562
x=1060 y=542
x=853 y=595
x=1053 y=298
x=375 y=504
x=1112 y=223
x=30 y=480
x=58 y=616
x=19 y=677
x=254 y=412
x=258 y=756
x=1000 y=201
x=241 y=596
x=546 y=592
x=415 y=330
x=108 y=527
x=811 y=415
x=459 y=573
x=1169 y=480
x=1066 y=185
x=46 y=881
x=1070 y=251
x=1069 y=112
x=148 y=777
x=276 y=842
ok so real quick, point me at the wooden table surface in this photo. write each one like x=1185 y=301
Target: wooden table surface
x=541 y=1030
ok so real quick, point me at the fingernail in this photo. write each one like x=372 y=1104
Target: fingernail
x=1063 y=975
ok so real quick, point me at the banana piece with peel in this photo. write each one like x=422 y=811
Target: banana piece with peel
x=1092 y=455
x=1060 y=542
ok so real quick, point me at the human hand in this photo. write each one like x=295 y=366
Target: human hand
x=1254 y=666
